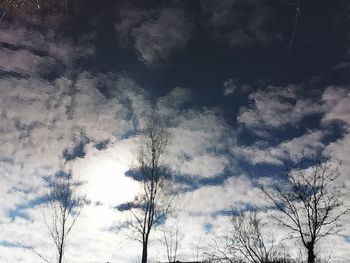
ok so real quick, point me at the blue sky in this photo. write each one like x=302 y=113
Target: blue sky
x=77 y=88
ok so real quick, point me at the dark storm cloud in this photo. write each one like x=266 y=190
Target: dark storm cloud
x=154 y=33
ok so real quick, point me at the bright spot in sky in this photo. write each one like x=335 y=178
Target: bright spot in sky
x=106 y=181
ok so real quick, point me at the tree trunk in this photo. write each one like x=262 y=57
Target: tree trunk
x=60 y=257
x=144 y=252
x=310 y=253
x=60 y=252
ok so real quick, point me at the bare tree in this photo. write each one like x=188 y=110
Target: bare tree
x=310 y=203
x=154 y=203
x=246 y=242
x=172 y=238
x=248 y=239
x=220 y=250
x=62 y=209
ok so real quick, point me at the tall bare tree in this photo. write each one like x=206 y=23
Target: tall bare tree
x=62 y=209
x=155 y=200
x=310 y=202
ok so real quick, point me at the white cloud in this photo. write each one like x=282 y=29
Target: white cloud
x=199 y=141
x=59 y=113
x=172 y=103
x=24 y=61
x=207 y=165
x=308 y=145
x=255 y=155
x=39 y=50
x=237 y=192
x=336 y=101
x=276 y=107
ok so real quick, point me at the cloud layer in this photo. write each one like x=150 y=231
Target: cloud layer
x=58 y=115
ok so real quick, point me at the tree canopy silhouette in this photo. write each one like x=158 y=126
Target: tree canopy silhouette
x=310 y=202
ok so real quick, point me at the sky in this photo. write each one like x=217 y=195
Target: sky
x=240 y=93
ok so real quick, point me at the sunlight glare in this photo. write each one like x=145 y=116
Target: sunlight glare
x=107 y=183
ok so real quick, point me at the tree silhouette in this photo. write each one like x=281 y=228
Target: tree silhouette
x=246 y=242
x=310 y=202
x=154 y=202
x=62 y=209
